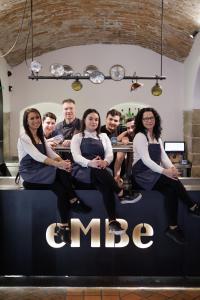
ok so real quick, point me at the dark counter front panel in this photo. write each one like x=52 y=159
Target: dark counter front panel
x=25 y=249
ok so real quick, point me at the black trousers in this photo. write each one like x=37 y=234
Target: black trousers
x=62 y=187
x=173 y=190
x=105 y=183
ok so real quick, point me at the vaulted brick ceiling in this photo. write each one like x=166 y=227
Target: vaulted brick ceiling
x=64 y=23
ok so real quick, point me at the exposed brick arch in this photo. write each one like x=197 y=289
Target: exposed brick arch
x=60 y=24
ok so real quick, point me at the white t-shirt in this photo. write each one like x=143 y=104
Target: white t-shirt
x=140 y=150
x=76 y=143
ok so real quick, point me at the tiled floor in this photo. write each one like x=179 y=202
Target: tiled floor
x=61 y=293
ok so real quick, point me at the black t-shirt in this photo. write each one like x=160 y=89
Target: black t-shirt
x=109 y=134
x=68 y=130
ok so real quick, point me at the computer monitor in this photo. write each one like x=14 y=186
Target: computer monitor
x=174 y=146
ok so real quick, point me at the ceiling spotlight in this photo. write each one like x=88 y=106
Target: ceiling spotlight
x=156 y=89
x=35 y=66
x=57 y=70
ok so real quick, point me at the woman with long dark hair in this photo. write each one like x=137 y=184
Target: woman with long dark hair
x=41 y=168
x=153 y=170
x=92 y=153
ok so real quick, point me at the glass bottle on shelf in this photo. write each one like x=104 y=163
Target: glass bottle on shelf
x=129 y=114
x=122 y=125
x=122 y=119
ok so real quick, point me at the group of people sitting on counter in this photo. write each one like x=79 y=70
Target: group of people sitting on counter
x=92 y=162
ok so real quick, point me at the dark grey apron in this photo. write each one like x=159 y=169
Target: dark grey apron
x=90 y=148
x=142 y=175
x=33 y=171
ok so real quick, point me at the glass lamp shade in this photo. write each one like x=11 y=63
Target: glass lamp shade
x=68 y=71
x=97 y=77
x=156 y=90
x=89 y=70
x=117 y=72
x=57 y=70
x=35 y=66
x=77 y=85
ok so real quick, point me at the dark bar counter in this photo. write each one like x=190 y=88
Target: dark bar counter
x=119 y=147
x=29 y=247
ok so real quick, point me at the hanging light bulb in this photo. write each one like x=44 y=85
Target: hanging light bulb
x=35 y=66
x=77 y=85
x=156 y=89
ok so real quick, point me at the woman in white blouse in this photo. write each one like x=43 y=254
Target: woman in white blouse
x=153 y=170
x=41 y=168
x=92 y=153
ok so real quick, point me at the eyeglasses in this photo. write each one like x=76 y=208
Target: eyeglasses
x=148 y=119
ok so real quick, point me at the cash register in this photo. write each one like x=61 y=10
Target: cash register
x=177 y=154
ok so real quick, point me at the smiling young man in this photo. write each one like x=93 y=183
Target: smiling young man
x=49 y=124
x=111 y=128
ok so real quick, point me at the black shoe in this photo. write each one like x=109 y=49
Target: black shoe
x=195 y=212
x=176 y=235
x=115 y=227
x=130 y=198
x=64 y=233
x=80 y=207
